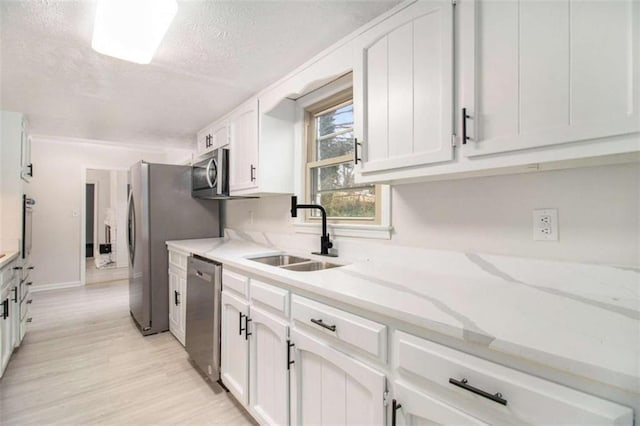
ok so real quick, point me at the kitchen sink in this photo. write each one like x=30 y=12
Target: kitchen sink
x=310 y=266
x=280 y=260
x=294 y=263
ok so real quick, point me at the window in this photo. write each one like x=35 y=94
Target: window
x=330 y=166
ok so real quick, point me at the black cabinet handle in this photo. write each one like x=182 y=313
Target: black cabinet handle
x=15 y=294
x=356 y=158
x=30 y=301
x=394 y=407
x=30 y=167
x=465 y=116
x=464 y=385
x=323 y=325
x=5 y=309
x=176 y=301
x=253 y=170
x=31 y=268
x=289 y=360
x=30 y=283
x=17 y=268
x=247 y=320
x=240 y=329
x=29 y=319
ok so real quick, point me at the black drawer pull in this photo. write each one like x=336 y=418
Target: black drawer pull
x=289 y=360
x=176 y=297
x=246 y=327
x=30 y=301
x=465 y=116
x=323 y=325
x=394 y=407
x=464 y=385
x=15 y=294
x=240 y=329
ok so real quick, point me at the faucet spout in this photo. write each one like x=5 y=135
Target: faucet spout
x=325 y=241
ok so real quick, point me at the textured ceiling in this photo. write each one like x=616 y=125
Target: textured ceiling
x=215 y=55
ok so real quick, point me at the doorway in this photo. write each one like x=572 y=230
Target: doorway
x=106 y=255
x=91 y=220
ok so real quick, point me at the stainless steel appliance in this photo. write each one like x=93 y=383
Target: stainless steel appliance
x=210 y=177
x=204 y=287
x=160 y=209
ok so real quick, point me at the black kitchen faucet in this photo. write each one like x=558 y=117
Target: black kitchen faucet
x=325 y=242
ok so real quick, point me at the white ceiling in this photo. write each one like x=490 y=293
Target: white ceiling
x=215 y=55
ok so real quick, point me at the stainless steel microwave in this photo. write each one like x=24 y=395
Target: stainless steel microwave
x=210 y=177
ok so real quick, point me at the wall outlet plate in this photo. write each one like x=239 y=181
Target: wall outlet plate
x=545 y=224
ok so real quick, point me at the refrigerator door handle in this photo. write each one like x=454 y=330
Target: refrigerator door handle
x=131 y=229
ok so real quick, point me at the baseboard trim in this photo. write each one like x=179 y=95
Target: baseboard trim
x=55 y=286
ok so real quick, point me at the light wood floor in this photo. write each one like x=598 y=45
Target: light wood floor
x=84 y=362
x=94 y=275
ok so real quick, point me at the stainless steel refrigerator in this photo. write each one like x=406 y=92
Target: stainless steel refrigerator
x=160 y=209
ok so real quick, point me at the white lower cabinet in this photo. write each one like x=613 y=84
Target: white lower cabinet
x=322 y=365
x=328 y=387
x=415 y=408
x=178 y=294
x=9 y=317
x=235 y=346
x=268 y=368
x=494 y=393
x=177 y=304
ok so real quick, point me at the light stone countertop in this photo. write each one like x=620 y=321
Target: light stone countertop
x=582 y=319
x=8 y=257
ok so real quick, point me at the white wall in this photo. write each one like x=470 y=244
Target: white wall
x=119 y=180
x=58 y=189
x=599 y=214
x=102 y=179
x=10 y=181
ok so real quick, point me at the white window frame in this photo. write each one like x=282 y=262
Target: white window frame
x=346 y=227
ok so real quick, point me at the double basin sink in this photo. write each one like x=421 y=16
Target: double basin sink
x=294 y=263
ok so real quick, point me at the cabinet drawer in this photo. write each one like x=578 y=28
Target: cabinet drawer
x=352 y=329
x=271 y=296
x=24 y=307
x=526 y=399
x=236 y=283
x=177 y=259
x=7 y=274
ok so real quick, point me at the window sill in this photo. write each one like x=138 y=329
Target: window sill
x=381 y=232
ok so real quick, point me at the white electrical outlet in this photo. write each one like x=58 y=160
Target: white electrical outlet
x=545 y=224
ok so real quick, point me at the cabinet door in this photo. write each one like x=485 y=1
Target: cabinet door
x=6 y=314
x=416 y=408
x=235 y=346
x=330 y=388
x=14 y=297
x=182 y=305
x=403 y=88
x=205 y=141
x=548 y=72
x=221 y=134
x=269 y=372
x=174 y=300
x=243 y=168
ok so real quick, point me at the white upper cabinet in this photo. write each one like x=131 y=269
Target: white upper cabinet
x=213 y=136
x=536 y=73
x=243 y=154
x=403 y=89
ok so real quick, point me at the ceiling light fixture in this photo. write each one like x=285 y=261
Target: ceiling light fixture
x=131 y=29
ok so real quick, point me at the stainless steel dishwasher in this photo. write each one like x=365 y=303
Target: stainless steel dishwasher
x=204 y=287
